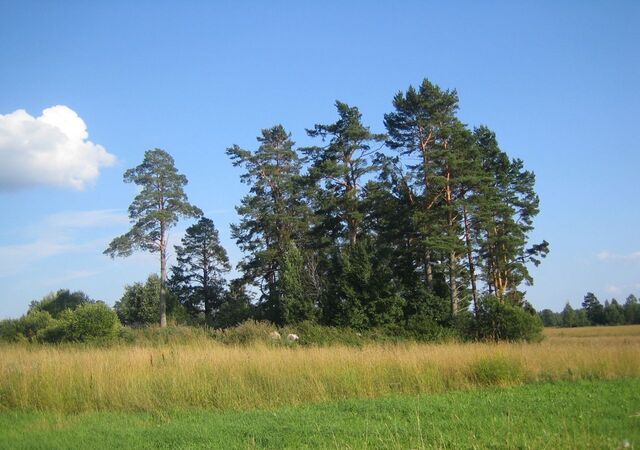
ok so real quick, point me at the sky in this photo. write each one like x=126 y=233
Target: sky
x=87 y=87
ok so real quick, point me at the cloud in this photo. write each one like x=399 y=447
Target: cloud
x=52 y=149
x=56 y=235
x=605 y=255
x=87 y=219
x=17 y=257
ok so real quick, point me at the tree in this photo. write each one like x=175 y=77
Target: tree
x=198 y=276
x=632 y=310
x=508 y=204
x=339 y=168
x=613 y=313
x=594 y=309
x=273 y=214
x=549 y=318
x=155 y=209
x=56 y=303
x=236 y=307
x=568 y=316
x=139 y=304
x=419 y=130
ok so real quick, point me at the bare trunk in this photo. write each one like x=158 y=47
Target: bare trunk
x=428 y=270
x=472 y=269
x=453 y=283
x=163 y=277
x=207 y=295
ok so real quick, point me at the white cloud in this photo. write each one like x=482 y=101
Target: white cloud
x=87 y=219
x=52 y=149
x=17 y=257
x=605 y=255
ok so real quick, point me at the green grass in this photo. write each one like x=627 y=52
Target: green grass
x=584 y=414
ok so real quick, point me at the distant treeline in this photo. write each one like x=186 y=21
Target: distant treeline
x=594 y=313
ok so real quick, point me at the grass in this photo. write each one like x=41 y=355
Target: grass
x=583 y=414
x=207 y=375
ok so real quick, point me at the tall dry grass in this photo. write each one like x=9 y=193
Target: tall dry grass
x=204 y=374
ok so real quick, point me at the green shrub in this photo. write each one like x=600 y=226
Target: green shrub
x=496 y=320
x=10 y=331
x=92 y=322
x=57 y=302
x=34 y=321
x=497 y=371
x=247 y=332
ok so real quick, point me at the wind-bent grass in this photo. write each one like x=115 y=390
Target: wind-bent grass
x=208 y=375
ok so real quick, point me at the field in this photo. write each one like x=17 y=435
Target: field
x=551 y=394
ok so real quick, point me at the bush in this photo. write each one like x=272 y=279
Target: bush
x=496 y=320
x=34 y=321
x=497 y=371
x=247 y=332
x=92 y=322
x=57 y=302
x=10 y=331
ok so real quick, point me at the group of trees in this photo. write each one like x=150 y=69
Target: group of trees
x=594 y=313
x=360 y=230
x=366 y=229
x=63 y=316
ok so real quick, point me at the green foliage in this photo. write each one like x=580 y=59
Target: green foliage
x=10 y=331
x=30 y=324
x=594 y=309
x=295 y=302
x=496 y=320
x=140 y=304
x=236 y=307
x=56 y=303
x=92 y=322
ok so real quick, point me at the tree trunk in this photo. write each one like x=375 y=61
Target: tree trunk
x=472 y=269
x=163 y=277
x=453 y=283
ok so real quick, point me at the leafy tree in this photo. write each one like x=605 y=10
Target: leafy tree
x=56 y=302
x=568 y=315
x=613 y=313
x=549 y=318
x=632 y=310
x=140 y=302
x=154 y=210
x=198 y=276
x=594 y=309
x=496 y=320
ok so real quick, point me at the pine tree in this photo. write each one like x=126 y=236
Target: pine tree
x=339 y=168
x=155 y=209
x=273 y=214
x=198 y=275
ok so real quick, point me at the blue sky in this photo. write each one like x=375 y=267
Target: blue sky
x=557 y=81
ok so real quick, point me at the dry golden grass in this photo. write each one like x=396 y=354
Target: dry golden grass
x=209 y=375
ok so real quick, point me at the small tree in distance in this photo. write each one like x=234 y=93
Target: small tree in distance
x=155 y=209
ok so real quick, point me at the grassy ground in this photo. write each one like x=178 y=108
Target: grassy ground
x=213 y=376
x=584 y=414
